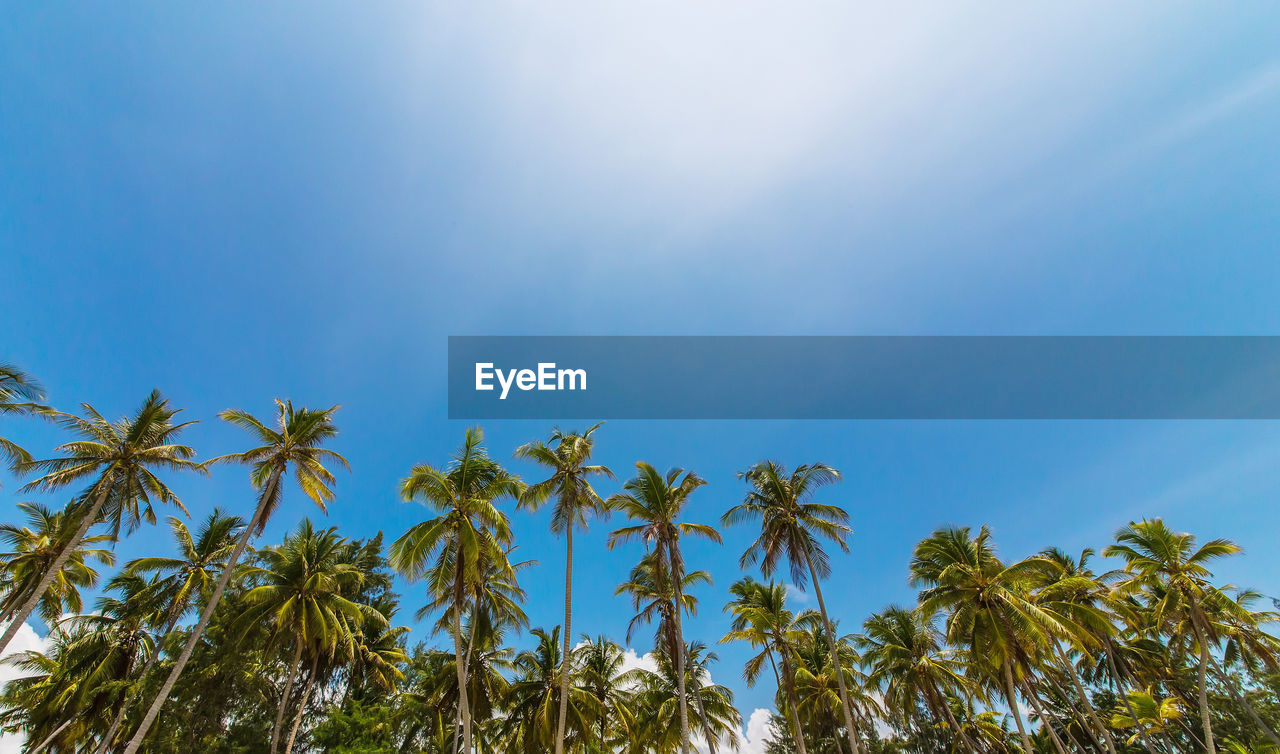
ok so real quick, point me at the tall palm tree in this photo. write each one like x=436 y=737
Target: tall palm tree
x=301 y=593
x=567 y=456
x=988 y=611
x=455 y=549
x=656 y=501
x=761 y=618
x=179 y=583
x=904 y=650
x=654 y=597
x=1169 y=568
x=20 y=393
x=32 y=550
x=294 y=442
x=122 y=457
x=790 y=527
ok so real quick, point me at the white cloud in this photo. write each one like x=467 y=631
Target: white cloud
x=799 y=596
x=26 y=640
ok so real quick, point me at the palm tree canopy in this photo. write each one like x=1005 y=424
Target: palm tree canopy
x=567 y=456
x=123 y=457
x=294 y=440
x=791 y=523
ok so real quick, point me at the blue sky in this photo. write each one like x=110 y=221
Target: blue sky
x=304 y=201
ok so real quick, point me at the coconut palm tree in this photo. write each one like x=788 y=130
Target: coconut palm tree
x=761 y=618
x=180 y=582
x=987 y=611
x=602 y=663
x=532 y=702
x=20 y=393
x=791 y=525
x=302 y=593
x=656 y=500
x=908 y=662
x=1172 y=572
x=122 y=458
x=455 y=549
x=33 y=548
x=1148 y=714
x=653 y=598
x=567 y=456
x=294 y=442
x=656 y=703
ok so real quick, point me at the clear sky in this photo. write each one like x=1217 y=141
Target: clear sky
x=304 y=199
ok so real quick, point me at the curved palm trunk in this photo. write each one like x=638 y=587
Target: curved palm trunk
x=941 y=701
x=1243 y=701
x=835 y=659
x=129 y=697
x=1012 y=693
x=1044 y=717
x=564 y=654
x=278 y=726
x=302 y=707
x=675 y=577
x=29 y=606
x=1124 y=695
x=1107 y=740
x=163 y=695
x=49 y=739
x=1204 y=688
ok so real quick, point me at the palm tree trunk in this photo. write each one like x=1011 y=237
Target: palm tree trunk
x=21 y=614
x=835 y=658
x=459 y=661
x=1044 y=717
x=146 y=671
x=1121 y=690
x=1107 y=740
x=49 y=739
x=294 y=664
x=951 y=720
x=676 y=577
x=302 y=707
x=163 y=695
x=1209 y=746
x=564 y=655
x=1243 y=701
x=785 y=683
x=1012 y=694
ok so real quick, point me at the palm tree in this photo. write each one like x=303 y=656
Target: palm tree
x=301 y=594
x=295 y=441
x=453 y=550
x=533 y=699
x=908 y=663
x=601 y=663
x=19 y=394
x=653 y=597
x=761 y=618
x=790 y=525
x=1172 y=571
x=988 y=611
x=179 y=583
x=123 y=456
x=1147 y=714
x=568 y=457
x=656 y=501
x=658 y=693
x=33 y=548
